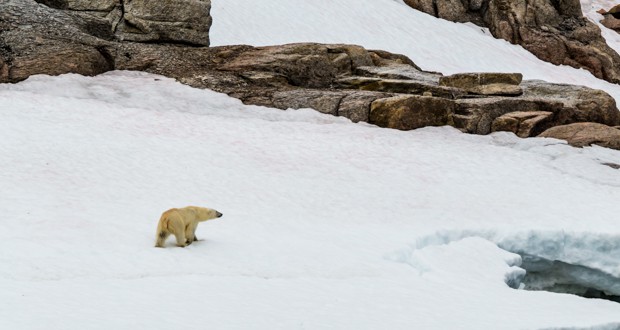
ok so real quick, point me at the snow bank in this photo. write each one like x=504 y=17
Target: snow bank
x=314 y=207
x=433 y=44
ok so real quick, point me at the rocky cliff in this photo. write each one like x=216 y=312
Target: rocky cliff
x=554 y=31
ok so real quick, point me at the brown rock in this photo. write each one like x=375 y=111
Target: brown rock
x=471 y=80
x=411 y=112
x=523 y=123
x=356 y=105
x=610 y=22
x=554 y=31
x=486 y=83
x=585 y=134
x=397 y=86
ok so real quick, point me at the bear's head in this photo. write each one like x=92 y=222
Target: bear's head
x=204 y=213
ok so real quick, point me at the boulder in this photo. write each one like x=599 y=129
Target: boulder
x=523 y=123
x=173 y=21
x=409 y=112
x=585 y=134
x=611 y=18
x=176 y=21
x=567 y=103
x=485 y=83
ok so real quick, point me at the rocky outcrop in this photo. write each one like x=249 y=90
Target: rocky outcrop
x=174 y=21
x=554 y=31
x=585 y=134
x=611 y=18
x=374 y=86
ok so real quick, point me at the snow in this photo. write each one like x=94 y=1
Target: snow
x=327 y=224
x=433 y=44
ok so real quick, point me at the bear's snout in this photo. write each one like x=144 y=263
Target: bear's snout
x=218 y=214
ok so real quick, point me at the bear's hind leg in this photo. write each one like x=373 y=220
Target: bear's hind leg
x=161 y=238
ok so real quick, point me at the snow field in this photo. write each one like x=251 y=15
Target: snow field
x=327 y=224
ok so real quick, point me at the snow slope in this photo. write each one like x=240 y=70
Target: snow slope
x=327 y=224
x=433 y=44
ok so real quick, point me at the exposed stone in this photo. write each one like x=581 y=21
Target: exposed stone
x=320 y=100
x=307 y=65
x=485 y=83
x=497 y=89
x=585 y=134
x=346 y=80
x=356 y=105
x=523 y=123
x=181 y=21
x=472 y=80
x=554 y=31
x=405 y=86
x=568 y=103
x=174 y=21
x=410 y=112
x=399 y=71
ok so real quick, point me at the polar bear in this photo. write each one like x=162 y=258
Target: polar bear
x=182 y=223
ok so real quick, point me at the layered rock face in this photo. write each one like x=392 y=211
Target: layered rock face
x=374 y=86
x=554 y=31
x=176 y=21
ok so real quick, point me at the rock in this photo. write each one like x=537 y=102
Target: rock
x=320 y=100
x=399 y=71
x=174 y=21
x=382 y=88
x=568 y=103
x=304 y=65
x=554 y=31
x=610 y=22
x=177 y=21
x=485 y=83
x=611 y=18
x=578 y=103
x=497 y=89
x=471 y=80
x=405 y=86
x=356 y=105
x=585 y=134
x=523 y=123
x=410 y=112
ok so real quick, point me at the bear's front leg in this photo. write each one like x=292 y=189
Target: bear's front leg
x=190 y=233
x=181 y=241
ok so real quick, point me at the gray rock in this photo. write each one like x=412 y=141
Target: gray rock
x=405 y=86
x=177 y=21
x=555 y=31
x=585 y=134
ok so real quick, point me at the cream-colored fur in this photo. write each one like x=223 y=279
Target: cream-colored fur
x=182 y=223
